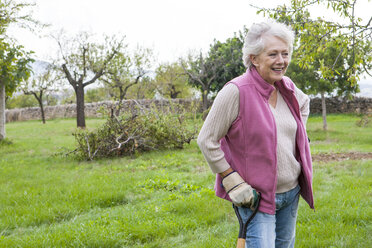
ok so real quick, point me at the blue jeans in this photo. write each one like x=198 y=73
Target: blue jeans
x=269 y=231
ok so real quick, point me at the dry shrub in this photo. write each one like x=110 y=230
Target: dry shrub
x=139 y=131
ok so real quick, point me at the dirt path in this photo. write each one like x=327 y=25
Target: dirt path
x=326 y=157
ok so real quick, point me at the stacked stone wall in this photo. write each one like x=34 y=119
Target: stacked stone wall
x=335 y=105
x=93 y=109
x=357 y=105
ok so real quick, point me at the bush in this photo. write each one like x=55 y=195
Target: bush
x=139 y=131
x=364 y=121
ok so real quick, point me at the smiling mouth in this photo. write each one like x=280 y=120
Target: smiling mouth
x=278 y=69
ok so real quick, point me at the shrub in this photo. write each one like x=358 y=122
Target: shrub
x=364 y=121
x=139 y=131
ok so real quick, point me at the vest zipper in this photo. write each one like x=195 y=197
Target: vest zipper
x=275 y=143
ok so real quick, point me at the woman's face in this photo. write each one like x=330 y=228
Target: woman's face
x=273 y=61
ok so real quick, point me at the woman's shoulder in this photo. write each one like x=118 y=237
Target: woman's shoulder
x=229 y=90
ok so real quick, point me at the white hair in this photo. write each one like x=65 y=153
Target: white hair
x=254 y=42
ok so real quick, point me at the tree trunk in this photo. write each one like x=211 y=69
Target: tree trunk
x=173 y=92
x=39 y=99
x=2 y=111
x=80 y=116
x=205 y=100
x=41 y=109
x=324 y=112
x=205 y=104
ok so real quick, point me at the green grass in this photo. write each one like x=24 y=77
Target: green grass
x=343 y=134
x=163 y=198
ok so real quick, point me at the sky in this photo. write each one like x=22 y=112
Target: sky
x=172 y=28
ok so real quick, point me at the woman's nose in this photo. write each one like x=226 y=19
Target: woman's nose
x=280 y=59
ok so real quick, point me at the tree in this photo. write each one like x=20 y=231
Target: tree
x=335 y=50
x=230 y=54
x=13 y=59
x=39 y=85
x=171 y=81
x=201 y=72
x=125 y=71
x=83 y=61
x=14 y=67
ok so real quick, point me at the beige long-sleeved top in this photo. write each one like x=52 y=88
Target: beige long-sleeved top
x=225 y=110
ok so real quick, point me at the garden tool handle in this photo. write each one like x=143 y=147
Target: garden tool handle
x=243 y=226
x=241 y=243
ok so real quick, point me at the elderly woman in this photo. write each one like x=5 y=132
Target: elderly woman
x=254 y=138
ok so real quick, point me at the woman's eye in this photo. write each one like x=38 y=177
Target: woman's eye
x=286 y=54
x=272 y=54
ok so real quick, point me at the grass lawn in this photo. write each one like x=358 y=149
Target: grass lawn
x=164 y=198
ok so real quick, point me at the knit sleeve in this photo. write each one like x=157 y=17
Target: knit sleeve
x=223 y=112
x=304 y=103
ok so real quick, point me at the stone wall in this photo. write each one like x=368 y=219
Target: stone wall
x=91 y=109
x=359 y=105
x=334 y=105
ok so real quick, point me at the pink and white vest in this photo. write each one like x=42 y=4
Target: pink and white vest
x=250 y=144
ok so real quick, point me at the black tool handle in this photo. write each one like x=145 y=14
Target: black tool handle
x=243 y=226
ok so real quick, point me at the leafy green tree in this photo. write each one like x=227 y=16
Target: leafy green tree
x=13 y=59
x=83 y=61
x=312 y=82
x=171 y=81
x=230 y=54
x=14 y=67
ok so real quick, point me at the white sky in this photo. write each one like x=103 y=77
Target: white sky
x=170 y=27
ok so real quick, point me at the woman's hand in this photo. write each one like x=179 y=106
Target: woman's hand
x=239 y=191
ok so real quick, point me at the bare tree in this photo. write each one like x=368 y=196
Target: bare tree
x=83 y=61
x=125 y=71
x=40 y=84
x=202 y=72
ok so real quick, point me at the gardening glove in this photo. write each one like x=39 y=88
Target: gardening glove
x=240 y=193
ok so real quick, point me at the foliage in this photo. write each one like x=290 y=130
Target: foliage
x=171 y=81
x=13 y=59
x=365 y=121
x=333 y=50
x=97 y=95
x=316 y=36
x=230 y=52
x=212 y=71
x=67 y=96
x=17 y=13
x=145 y=90
x=14 y=66
x=21 y=101
x=141 y=131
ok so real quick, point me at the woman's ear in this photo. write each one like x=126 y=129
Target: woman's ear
x=253 y=59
